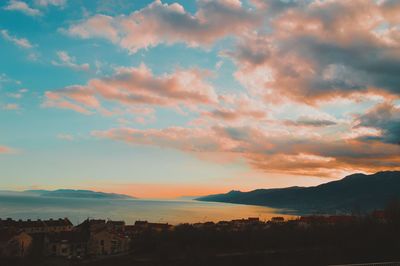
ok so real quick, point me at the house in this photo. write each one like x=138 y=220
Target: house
x=131 y=230
x=145 y=225
x=92 y=225
x=223 y=225
x=118 y=226
x=32 y=227
x=7 y=223
x=239 y=223
x=277 y=219
x=38 y=226
x=66 y=244
x=105 y=242
x=14 y=243
x=60 y=225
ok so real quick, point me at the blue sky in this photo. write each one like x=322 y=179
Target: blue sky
x=196 y=97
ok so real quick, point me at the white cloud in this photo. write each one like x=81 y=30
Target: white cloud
x=21 y=42
x=59 y=3
x=69 y=61
x=18 y=94
x=15 y=5
x=67 y=137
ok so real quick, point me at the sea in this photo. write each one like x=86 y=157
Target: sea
x=129 y=210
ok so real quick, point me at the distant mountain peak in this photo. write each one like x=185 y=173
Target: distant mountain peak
x=354 y=176
x=77 y=193
x=356 y=191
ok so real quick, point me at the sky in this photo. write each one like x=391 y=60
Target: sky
x=160 y=99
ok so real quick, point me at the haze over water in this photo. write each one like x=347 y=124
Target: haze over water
x=171 y=211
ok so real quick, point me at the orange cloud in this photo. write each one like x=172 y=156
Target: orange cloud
x=279 y=153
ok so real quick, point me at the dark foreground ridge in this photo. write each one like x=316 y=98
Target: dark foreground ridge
x=357 y=192
x=307 y=240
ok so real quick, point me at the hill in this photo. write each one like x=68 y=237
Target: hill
x=357 y=192
x=71 y=193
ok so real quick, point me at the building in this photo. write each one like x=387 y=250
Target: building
x=145 y=225
x=66 y=244
x=239 y=223
x=277 y=219
x=103 y=242
x=38 y=226
x=118 y=226
x=32 y=226
x=60 y=225
x=14 y=243
x=7 y=223
x=92 y=225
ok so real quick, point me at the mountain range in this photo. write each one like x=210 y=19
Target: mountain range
x=70 y=193
x=357 y=192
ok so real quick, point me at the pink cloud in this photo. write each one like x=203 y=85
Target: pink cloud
x=236 y=108
x=170 y=23
x=300 y=54
x=185 y=139
x=6 y=150
x=136 y=86
x=269 y=152
x=322 y=49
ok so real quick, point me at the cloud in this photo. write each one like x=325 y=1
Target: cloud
x=310 y=122
x=233 y=114
x=67 y=137
x=69 y=61
x=21 y=42
x=160 y=23
x=46 y=3
x=18 y=94
x=15 y=5
x=318 y=50
x=136 y=86
x=308 y=56
x=185 y=139
x=6 y=150
x=235 y=108
x=4 y=79
x=10 y=106
x=269 y=152
x=385 y=118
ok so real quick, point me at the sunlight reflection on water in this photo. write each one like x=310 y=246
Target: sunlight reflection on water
x=171 y=211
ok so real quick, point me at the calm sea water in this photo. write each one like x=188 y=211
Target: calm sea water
x=171 y=211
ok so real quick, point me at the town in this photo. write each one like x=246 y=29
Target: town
x=59 y=238
x=101 y=240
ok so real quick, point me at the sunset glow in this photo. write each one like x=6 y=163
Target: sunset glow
x=161 y=99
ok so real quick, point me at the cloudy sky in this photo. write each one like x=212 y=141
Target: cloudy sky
x=168 y=98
